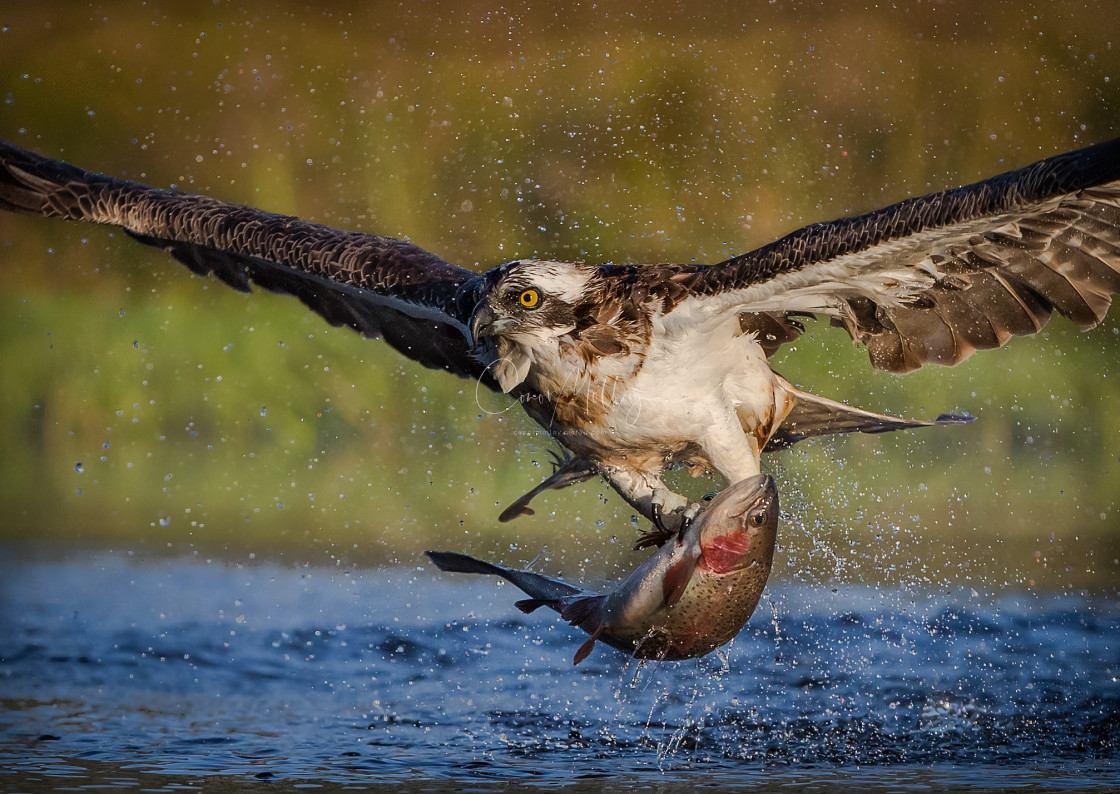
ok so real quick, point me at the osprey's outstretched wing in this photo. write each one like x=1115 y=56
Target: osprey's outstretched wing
x=379 y=286
x=935 y=278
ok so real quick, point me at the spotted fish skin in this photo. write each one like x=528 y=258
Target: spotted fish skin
x=690 y=597
x=713 y=609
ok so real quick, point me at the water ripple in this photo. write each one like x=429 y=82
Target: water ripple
x=118 y=672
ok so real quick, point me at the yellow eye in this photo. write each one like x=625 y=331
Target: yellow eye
x=530 y=298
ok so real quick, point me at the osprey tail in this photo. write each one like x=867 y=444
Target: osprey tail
x=812 y=415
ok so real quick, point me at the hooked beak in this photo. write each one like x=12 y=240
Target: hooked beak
x=483 y=322
x=510 y=362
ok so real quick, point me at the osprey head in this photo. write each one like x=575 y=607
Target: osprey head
x=525 y=307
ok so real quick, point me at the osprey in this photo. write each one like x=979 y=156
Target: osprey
x=638 y=368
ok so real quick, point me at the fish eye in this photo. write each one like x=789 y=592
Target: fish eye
x=757 y=518
x=529 y=298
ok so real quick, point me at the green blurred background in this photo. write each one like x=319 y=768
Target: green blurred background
x=144 y=408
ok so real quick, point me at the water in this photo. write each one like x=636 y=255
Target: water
x=124 y=671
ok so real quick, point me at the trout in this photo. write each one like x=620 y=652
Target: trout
x=690 y=597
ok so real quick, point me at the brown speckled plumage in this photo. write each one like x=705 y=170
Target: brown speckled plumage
x=379 y=286
x=929 y=279
x=992 y=242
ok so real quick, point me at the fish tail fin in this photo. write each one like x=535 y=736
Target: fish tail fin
x=528 y=605
x=460 y=563
x=543 y=588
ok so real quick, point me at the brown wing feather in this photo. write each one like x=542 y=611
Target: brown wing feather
x=379 y=286
x=996 y=259
x=771 y=330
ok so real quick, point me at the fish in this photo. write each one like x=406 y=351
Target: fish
x=691 y=596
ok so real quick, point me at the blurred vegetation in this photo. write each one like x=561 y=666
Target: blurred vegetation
x=144 y=407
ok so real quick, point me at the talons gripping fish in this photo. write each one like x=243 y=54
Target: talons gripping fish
x=689 y=598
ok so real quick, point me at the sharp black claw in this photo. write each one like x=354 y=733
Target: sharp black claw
x=659 y=534
x=652 y=538
x=560 y=459
x=686 y=522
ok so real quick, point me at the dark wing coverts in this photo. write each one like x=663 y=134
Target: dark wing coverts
x=989 y=261
x=379 y=286
x=930 y=279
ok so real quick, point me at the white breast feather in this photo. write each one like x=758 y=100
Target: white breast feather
x=696 y=386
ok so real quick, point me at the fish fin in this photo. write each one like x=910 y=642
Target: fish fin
x=460 y=563
x=580 y=609
x=676 y=580
x=528 y=605
x=588 y=646
x=534 y=584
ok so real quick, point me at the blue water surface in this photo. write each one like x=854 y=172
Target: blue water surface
x=124 y=670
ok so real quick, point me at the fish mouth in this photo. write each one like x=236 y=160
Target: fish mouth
x=729 y=552
x=744 y=494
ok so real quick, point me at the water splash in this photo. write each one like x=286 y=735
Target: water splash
x=1018 y=687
